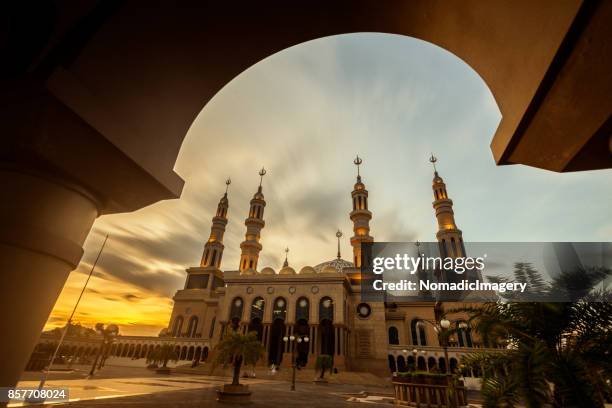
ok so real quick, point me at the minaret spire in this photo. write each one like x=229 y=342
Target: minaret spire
x=286 y=263
x=251 y=247
x=360 y=216
x=357 y=163
x=213 y=249
x=339 y=235
x=450 y=238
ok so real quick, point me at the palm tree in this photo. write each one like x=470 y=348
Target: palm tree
x=238 y=349
x=558 y=353
x=162 y=355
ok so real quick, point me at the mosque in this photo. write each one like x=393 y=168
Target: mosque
x=320 y=303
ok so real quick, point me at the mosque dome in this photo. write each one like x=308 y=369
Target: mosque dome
x=307 y=270
x=287 y=270
x=268 y=271
x=249 y=271
x=337 y=264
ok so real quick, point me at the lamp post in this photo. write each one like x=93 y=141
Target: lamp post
x=291 y=340
x=442 y=328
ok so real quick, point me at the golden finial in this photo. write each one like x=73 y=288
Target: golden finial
x=433 y=159
x=286 y=257
x=357 y=163
x=339 y=235
x=227 y=184
x=262 y=173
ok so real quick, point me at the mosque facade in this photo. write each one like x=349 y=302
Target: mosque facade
x=321 y=303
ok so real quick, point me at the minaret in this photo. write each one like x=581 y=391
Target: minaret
x=360 y=216
x=213 y=249
x=449 y=236
x=250 y=246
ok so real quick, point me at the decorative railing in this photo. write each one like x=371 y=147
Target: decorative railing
x=429 y=392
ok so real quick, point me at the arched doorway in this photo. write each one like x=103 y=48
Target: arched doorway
x=302 y=328
x=326 y=326
x=277 y=331
x=276 y=344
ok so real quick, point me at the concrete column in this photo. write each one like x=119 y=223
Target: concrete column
x=43 y=224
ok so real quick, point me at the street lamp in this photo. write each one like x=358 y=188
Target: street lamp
x=298 y=339
x=442 y=328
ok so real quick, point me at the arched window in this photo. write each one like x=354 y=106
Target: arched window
x=454 y=246
x=257 y=308
x=212 y=328
x=280 y=309
x=178 y=326
x=417 y=329
x=214 y=257
x=193 y=325
x=326 y=309
x=302 y=309
x=257 y=313
x=392 y=365
x=401 y=364
x=421 y=365
x=463 y=335
x=236 y=312
x=442 y=246
x=393 y=335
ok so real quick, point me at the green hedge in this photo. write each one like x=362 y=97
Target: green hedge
x=421 y=374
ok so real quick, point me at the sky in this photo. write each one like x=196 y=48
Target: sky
x=304 y=113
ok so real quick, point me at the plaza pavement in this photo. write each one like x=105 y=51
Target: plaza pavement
x=137 y=387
